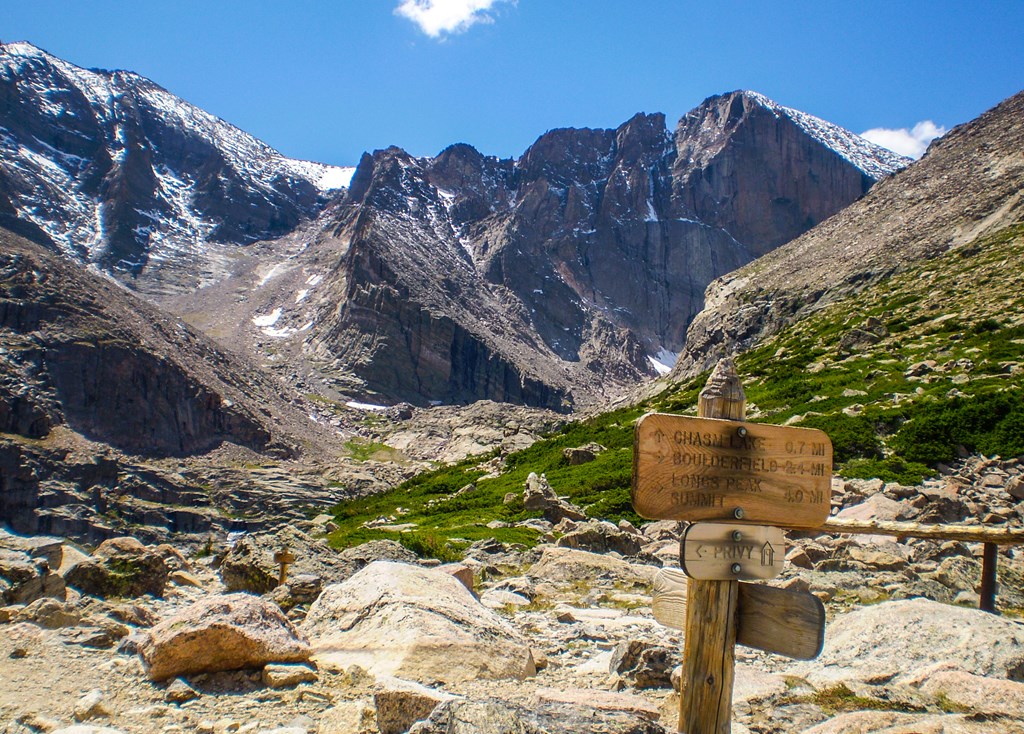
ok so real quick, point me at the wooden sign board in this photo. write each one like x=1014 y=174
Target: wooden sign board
x=726 y=552
x=790 y=623
x=696 y=469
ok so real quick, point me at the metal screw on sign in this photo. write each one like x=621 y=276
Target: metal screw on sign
x=736 y=568
x=737 y=536
x=738 y=513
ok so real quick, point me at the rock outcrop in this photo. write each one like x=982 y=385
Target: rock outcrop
x=967 y=184
x=225 y=632
x=416 y=623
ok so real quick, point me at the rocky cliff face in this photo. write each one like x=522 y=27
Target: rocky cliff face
x=969 y=183
x=559 y=277
x=114 y=414
x=80 y=351
x=563 y=276
x=111 y=169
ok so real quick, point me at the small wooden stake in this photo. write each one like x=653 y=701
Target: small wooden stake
x=989 y=561
x=709 y=646
x=283 y=557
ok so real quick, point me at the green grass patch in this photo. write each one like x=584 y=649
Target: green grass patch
x=840 y=699
x=987 y=424
x=363 y=450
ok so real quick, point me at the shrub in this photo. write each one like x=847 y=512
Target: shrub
x=853 y=437
x=989 y=424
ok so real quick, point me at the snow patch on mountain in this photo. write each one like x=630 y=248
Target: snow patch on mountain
x=874 y=160
x=139 y=124
x=267 y=319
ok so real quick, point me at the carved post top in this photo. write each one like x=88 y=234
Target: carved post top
x=723 y=395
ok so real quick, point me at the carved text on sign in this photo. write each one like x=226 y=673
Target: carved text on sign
x=707 y=469
x=723 y=552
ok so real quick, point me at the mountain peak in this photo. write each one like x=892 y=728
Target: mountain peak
x=22 y=48
x=873 y=159
x=112 y=169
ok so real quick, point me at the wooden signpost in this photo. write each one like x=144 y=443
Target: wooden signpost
x=789 y=623
x=717 y=467
x=701 y=469
x=283 y=558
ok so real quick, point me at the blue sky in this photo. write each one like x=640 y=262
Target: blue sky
x=327 y=80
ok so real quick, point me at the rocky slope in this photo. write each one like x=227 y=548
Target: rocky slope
x=554 y=279
x=555 y=638
x=105 y=402
x=967 y=185
x=113 y=170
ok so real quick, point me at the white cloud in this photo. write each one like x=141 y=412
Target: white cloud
x=912 y=143
x=438 y=17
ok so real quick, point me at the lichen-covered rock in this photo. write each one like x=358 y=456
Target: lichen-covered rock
x=224 y=632
x=120 y=567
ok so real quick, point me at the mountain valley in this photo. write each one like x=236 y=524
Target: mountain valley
x=289 y=448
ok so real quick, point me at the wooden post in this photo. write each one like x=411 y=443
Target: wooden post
x=283 y=558
x=709 y=645
x=987 y=598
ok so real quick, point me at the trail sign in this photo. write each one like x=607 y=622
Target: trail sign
x=790 y=623
x=721 y=552
x=687 y=468
x=283 y=558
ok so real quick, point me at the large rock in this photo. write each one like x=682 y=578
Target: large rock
x=121 y=567
x=893 y=722
x=552 y=712
x=859 y=722
x=249 y=565
x=539 y=496
x=994 y=697
x=599 y=536
x=643 y=665
x=896 y=638
x=224 y=632
x=49 y=614
x=567 y=565
x=377 y=550
x=413 y=622
x=24 y=579
x=475 y=717
x=400 y=704
x=38 y=547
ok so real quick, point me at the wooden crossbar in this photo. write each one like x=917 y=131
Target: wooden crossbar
x=991 y=537
x=964 y=533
